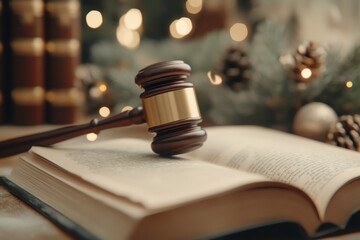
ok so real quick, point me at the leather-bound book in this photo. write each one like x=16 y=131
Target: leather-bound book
x=5 y=65
x=62 y=58
x=27 y=61
x=1 y=63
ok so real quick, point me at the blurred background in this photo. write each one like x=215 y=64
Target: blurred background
x=284 y=64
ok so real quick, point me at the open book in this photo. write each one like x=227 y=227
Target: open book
x=242 y=177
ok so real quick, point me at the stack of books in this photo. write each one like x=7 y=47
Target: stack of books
x=41 y=50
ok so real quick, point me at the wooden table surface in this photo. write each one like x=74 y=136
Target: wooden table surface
x=19 y=221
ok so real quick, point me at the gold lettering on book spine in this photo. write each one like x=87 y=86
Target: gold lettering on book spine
x=28 y=46
x=170 y=107
x=65 y=97
x=28 y=96
x=27 y=10
x=68 y=47
x=64 y=11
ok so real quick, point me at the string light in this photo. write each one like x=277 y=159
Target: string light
x=349 y=84
x=173 y=31
x=127 y=37
x=214 y=78
x=193 y=6
x=133 y=19
x=91 y=137
x=184 y=26
x=181 y=27
x=94 y=19
x=102 y=87
x=238 y=32
x=306 y=73
x=104 y=111
x=127 y=32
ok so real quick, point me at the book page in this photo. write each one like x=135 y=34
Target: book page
x=316 y=168
x=128 y=168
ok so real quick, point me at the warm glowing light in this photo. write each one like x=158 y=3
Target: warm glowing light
x=102 y=87
x=104 y=111
x=306 y=73
x=133 y=19
x=214 y=78
x=238 y=32
x=94 y=19
x=349 y=84
x=128 y=38
x=195 y=3
x=173 y=31
x=127 y=108
x=193 y=6
x=183 y=26
x=91 y=137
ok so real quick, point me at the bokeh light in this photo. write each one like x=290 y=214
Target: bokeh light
x=238 y=32
x=94 y=19
x=349 y=84
x=102 y=87
x=173 y=31
x=181 y=27
x=127 y=37
x=193 y=6
x=91 y=137
x=133 y=19
x=104 y=111
x=306 y=73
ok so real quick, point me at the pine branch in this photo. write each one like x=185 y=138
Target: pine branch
x=265 y=52
x=335 y=93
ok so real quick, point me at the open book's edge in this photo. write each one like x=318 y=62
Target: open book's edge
x=67 y=225
x=78 y=232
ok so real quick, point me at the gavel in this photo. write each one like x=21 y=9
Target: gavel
x=169 y=108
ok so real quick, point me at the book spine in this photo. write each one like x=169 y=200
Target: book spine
x=6 y=63
x=27 y=60
x=62 y=26
x=1 y=62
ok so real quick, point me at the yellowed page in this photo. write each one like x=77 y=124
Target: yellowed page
x=317 y=168
x=128 y=168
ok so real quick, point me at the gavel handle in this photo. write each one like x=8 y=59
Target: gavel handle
x=23 y=144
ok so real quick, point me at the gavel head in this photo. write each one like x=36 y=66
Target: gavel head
x=170 y=108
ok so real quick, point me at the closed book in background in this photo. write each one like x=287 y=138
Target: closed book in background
x=62 y=27
x=5 y=65
x=1 y=63
x=27 y=60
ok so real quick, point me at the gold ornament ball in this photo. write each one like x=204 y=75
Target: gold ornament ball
x=314 y=121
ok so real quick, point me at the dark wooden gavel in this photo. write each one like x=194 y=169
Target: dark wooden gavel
x=170 y=110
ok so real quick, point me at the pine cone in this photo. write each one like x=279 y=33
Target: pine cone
x=309 y=57
x=345 y=133
x=236 y=68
